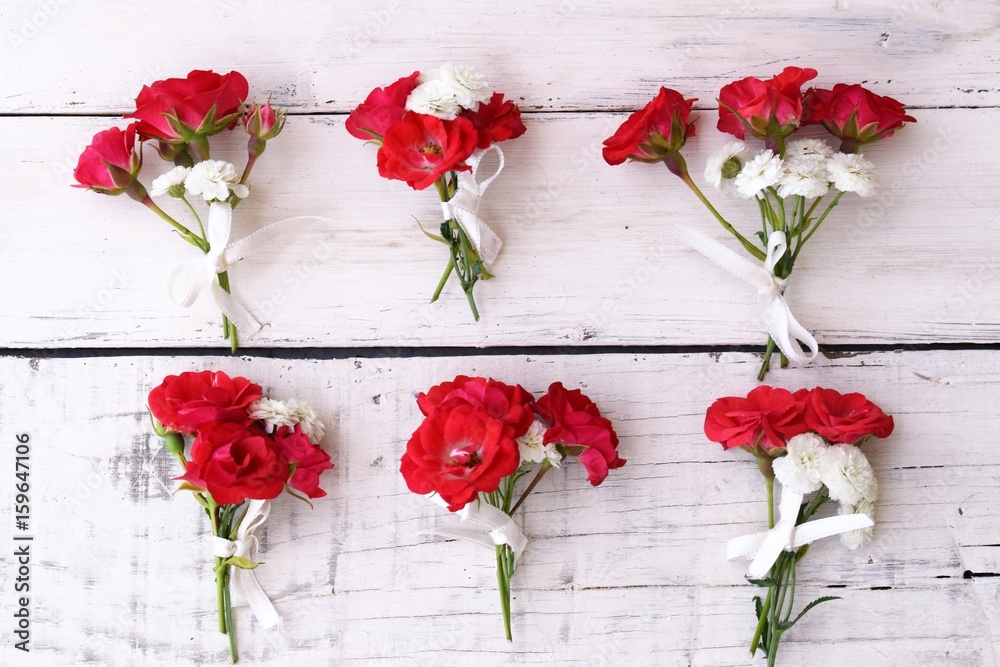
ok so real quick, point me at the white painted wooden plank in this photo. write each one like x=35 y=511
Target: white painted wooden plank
x=550 y=54
x=631 y=572
x=589 y=255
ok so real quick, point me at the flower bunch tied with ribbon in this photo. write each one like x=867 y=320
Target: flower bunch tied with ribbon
x=810 y=441
x=436 y=128
x=794 y=183
x=239 y=450
x=479 y=437
x=179 y=116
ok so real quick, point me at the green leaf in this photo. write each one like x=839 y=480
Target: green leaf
x=758 y=605
x=241 y=563
x=188 y=486
x=787 y=624
x=295 y=495
x=767 y=582
x=433 y=237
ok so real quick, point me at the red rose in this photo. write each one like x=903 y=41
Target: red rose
x=459 y=453
x=769 y=414
x=110 y=164
x=576 y=422
x=855 y=115
x=185 y=402
x=496 y=121
x=653 y=132
x=767 y=109
x=371 y=119
x=180 y=111
x=845 y=418
x=310 y=461
x=511 y=405
x=234 y=463
x=419 y=148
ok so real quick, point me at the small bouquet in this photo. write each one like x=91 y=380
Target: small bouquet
x=180 y=115
x=435 y=129
x=479 y=437
x=245 y=450
x=810 y=441
x=788 y=180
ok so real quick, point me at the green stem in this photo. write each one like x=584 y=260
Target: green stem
x=197 y=217
x=444 y=278
x=228 y=330
x=503 y=584
x=472 y=302
x=538 y=477
x=185 y=233
x=836 y=200
x=229 y=620
x=766 y=364
x=751 y=248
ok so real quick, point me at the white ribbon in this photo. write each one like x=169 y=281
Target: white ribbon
x=463 y=207
x=775 y=314
x=482 y=524
x=765 y=547
x=189 y=278
x=244 y=582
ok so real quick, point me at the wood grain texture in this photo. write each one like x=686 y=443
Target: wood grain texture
x=589 y=257
x=631 y=572
x=549 y=54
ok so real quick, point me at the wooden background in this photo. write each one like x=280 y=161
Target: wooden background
x=592 y=289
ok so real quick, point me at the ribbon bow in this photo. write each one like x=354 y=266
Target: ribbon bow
x=765 y=547
x=190 y=277
x=483 y=524
x=775 y=314
x=244 y=582
x=463 y=207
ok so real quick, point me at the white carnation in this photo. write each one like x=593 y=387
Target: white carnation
x=274 y=414
x=762 y=172
x=735 y=151
x=308 y=420
x=853 y=539
x=804 y=177
x=808 y=149
x=214 y=179
x=468 y=87
x=533 y=450
x=799 y=470
x=848 y=475
x=434 y=98
x=852 y=173
x=174 y=178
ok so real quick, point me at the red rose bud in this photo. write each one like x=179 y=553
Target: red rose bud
x=459 y=453
x=185 y=402
x=576 y=422
x=177 y=112
x=235 y=463
x=111 y=163
x=769 y=110
x=654 y=133
x=845 y=418
x=263 y=122
x=495 y=121
x=383 y=107
x=418 y=149
x=767 y=417
x=855 y=115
